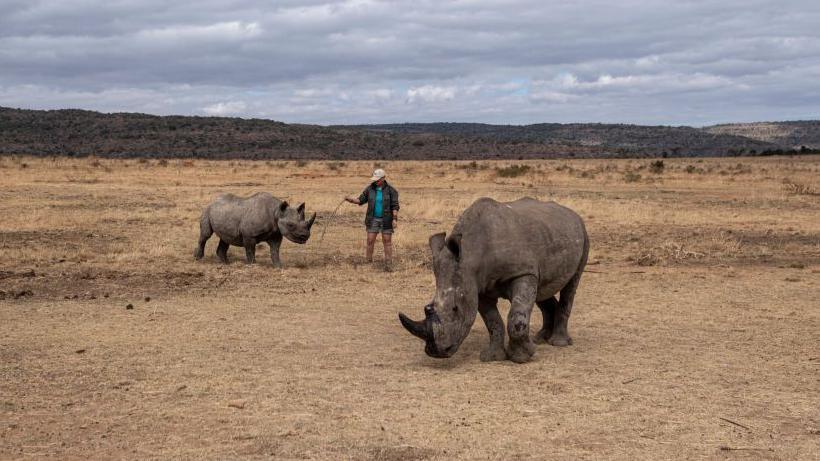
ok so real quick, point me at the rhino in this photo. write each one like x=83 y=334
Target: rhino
x=526 y=251
x=244 y=222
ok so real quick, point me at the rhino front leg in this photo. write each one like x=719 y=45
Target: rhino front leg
x=250 y=249
x=488 y=308
x=275 y=243
x=222 y=251
x=548 y=308
x=522 y=298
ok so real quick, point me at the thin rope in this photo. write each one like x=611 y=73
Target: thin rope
x=327 y=221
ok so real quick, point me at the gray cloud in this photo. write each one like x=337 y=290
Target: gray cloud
x=359 y=61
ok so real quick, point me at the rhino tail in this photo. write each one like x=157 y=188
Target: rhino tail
x=205 y=232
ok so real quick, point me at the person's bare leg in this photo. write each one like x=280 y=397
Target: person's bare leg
x=387 y=239
x=371 y=242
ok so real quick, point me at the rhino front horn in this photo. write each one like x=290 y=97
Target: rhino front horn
x=312 y=218
x=417 y=329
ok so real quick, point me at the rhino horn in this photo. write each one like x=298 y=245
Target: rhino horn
x=310 y=221
x=417 y=329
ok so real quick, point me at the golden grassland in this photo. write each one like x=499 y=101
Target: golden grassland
x=696 y=327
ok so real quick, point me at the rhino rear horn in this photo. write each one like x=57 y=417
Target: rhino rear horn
x=417 y=329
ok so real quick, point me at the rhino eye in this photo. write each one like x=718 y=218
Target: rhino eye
x=455 y=308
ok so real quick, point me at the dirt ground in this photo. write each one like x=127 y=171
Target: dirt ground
x=696 y=327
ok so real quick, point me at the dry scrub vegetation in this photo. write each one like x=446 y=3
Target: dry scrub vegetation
x=696 y=326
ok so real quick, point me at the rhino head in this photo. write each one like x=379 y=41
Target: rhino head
x=450 y=315
x=292 y=223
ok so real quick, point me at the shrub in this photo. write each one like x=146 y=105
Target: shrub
x=512 y=171
x=631 y=176
x=794 y=188
x=657 y=167
x=475 y=166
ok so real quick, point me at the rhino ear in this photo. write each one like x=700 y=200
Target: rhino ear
x=283 y=206
x=301 y=210
x=437 y=243
x=454 y=244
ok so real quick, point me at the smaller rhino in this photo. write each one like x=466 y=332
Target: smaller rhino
x=245 y=222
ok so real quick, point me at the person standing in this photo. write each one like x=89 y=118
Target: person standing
x=382 y=214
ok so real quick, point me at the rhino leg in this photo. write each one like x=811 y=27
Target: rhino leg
x=275 y=243
x=488 y=308
x=522 y=298
x=548 y=308
x=205 y=232
x=222 y=251
x=250 y=249
x=560 y=335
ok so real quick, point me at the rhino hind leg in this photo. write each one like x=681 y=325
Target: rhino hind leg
x=548 y=308
x=560 y=335
x=222 y=251
x=522 y=299
x=488 y=308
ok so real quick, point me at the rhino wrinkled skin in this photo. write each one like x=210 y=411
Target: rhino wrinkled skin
x=527 y=252
x=245 y=222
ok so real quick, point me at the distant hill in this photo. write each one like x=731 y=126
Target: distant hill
x=81 y=133
x=792 y=135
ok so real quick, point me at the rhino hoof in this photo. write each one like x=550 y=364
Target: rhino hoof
x=519 y=356
x=493 y=354
x=542 y=337
x=560 y=341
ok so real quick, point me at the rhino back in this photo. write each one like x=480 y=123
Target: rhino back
x=503 y=241
x=233 y=217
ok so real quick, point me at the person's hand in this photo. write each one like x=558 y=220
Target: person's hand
x=395 y=224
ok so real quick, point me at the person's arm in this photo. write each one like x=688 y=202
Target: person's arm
x=394 y=205
x=361 y=200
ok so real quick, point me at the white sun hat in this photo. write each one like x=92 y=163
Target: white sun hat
x=378 y=174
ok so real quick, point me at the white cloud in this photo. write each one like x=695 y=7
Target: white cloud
x=431 y=93
x=218 y=31
x=225 y=108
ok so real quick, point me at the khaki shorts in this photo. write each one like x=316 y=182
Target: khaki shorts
x=377 y=227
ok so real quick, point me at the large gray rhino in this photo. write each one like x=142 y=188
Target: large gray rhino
x=244 y=222
x=525 y=251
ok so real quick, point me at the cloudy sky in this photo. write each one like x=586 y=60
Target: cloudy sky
x=357 y=61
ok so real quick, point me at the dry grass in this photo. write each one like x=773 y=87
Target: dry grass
x=699 y=311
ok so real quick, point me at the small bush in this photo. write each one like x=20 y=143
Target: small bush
x=335 y=166
x=162 y=162
x=794 y=188
x=473 y=166
x=657 y=167
x=302 y=163
x=512 y=171
x=631 y=176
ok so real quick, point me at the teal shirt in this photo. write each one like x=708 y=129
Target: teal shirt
x=378 y=207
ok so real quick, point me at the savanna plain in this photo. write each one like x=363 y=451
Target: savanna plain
x=696 y=326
